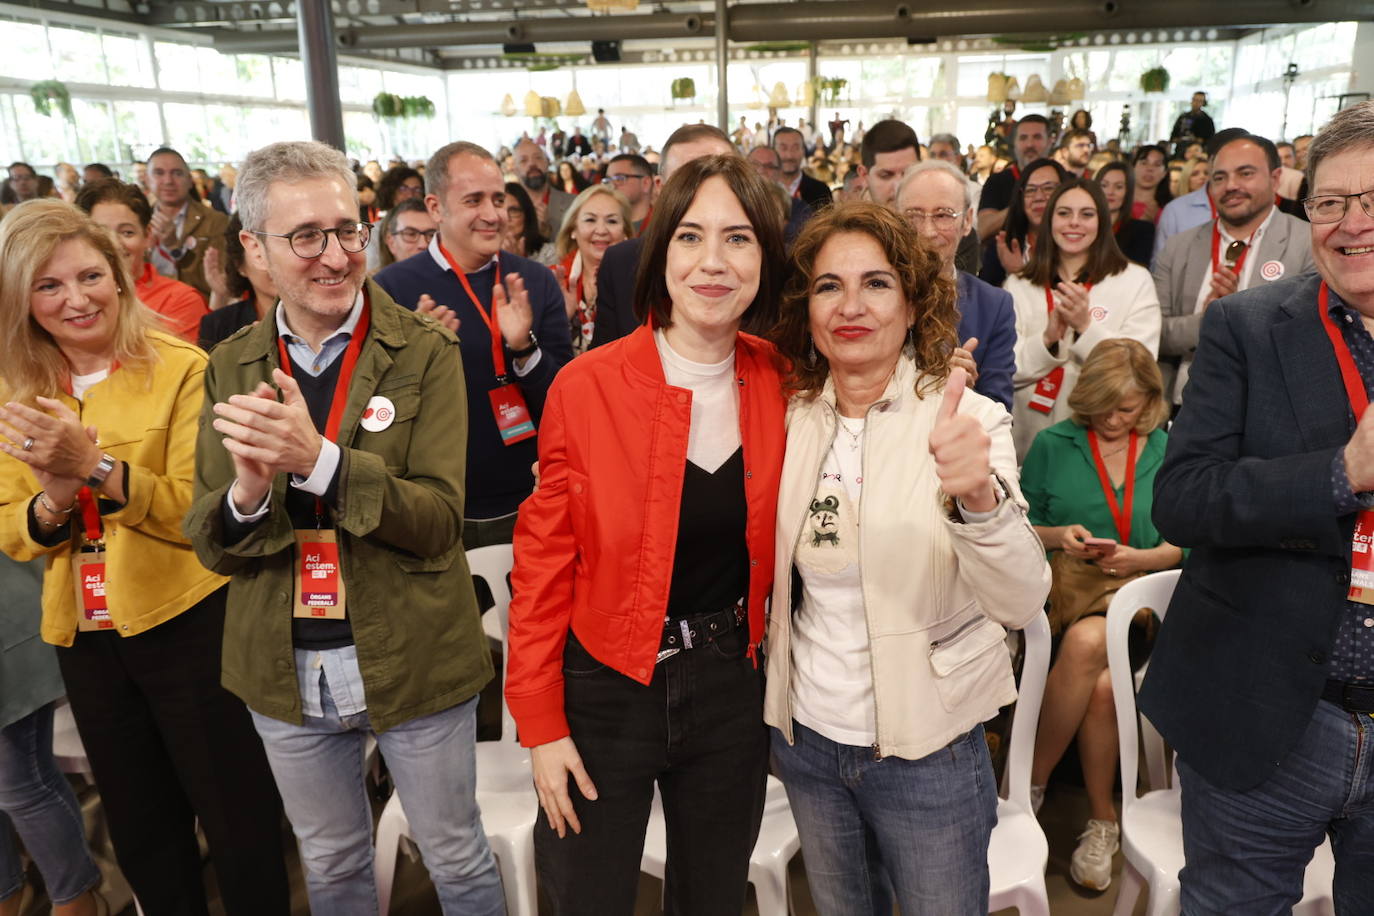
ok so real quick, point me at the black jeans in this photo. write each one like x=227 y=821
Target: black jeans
x=168 y=745
x=697 y=730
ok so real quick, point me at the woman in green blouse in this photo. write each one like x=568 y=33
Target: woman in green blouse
x=1089 y=481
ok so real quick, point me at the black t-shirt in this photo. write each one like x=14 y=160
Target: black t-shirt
x=711 y=559
x=997 y=190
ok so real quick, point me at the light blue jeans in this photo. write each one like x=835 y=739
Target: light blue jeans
x=318 y=767
x=1246 y=851
x=37 y=799
x=875 y=830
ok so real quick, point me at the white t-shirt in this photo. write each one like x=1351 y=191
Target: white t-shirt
x=832 y=675
x=714 y=434
x=83 y=383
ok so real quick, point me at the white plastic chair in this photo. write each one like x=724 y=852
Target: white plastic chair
x=505 y=784
x=777 y=844
x=1151 y=824
x=1018 y=851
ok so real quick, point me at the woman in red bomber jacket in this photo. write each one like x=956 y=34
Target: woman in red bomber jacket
x=643 y=560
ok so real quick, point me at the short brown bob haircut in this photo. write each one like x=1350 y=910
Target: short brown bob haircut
x=114 y=191
x=651 y=300
x=1104 y=258
x=928 y=288
x=1114 y=369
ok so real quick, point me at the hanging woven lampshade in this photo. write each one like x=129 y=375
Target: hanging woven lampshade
x=573 y=107
x=1034 y=92
x=508 y=106
x=533 y=106
x=778 y=97
x=997 y=87
x=1013 y=89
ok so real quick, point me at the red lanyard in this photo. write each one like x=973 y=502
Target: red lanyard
x=1350 y=374
x=90 y=514
x=498 y=353
x=1216 y=249
x=350 y=359
x=1015 y=173
x=1121 y=512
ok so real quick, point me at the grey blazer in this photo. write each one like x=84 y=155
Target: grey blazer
x=1187 y=258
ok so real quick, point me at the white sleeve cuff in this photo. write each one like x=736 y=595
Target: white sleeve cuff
x=325 y=466
x=530 y=363
x=252 y=516
x=972 y=518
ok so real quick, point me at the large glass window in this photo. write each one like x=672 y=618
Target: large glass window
x=127 y=60
x=77 y=55
x=26 y=51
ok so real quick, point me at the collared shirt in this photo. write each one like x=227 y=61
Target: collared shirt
x=339 y=668
x=1182 y=214
x=1352 y=652
x=166 y=261
x=305 y=357
x=444 y=265
x=795 y=185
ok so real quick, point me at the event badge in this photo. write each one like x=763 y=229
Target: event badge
x=1362 y=559
x=92 y=609
x=512 y=416
x=319 y=584
x=378 y=415
x=1047 y=390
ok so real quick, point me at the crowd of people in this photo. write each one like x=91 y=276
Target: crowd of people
x=249 y=445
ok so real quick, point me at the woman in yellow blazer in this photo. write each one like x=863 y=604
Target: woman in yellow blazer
x=98 y=430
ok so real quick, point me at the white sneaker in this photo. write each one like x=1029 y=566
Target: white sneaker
x=1091 y=865
x=1037 y=798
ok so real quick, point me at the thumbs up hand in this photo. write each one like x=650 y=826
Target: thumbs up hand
x=962 y=450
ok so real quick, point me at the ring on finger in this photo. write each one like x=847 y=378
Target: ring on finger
x=28 y=444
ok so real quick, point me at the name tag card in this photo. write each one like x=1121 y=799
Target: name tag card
x=319 y=583
x=88 y=573
x=1362 y=559
x=512 y=416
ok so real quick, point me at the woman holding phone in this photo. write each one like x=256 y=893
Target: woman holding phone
x=1089 y=481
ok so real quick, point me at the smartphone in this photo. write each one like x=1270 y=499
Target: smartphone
x=1102 y=546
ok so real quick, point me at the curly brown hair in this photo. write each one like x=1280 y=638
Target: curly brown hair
x=929 y=290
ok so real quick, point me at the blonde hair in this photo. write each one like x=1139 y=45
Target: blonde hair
x=31 y=364
x=1185 y=176
x=563 y=242
x=1114 y=369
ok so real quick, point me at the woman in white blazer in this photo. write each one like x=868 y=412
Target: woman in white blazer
x=903 y=550
x=1076 y=290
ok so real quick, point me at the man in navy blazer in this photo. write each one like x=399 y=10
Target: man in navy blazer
x=937 y=200
x=1262 y=678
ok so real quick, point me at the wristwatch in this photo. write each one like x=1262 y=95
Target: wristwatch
x=527 y=350
x=102 y=470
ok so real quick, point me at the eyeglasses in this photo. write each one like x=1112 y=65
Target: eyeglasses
x=309 y=243
x=409 y=190
x=1331 y=208
x=943 y=218
x=411 y=236
x=1041 y=190
x=620 y=179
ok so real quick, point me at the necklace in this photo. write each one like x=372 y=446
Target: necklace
x=1115 y=451
x=854 y=438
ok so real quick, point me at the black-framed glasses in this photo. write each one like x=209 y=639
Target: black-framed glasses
x=620 y=179
x=412 y=235
x=1331 y=208
x=1041 y=190
x=309 y=242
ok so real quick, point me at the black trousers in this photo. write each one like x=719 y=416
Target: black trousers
x=168 y=745
x=697 y=730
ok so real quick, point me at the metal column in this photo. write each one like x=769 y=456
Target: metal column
x=813 y=71
x=315 y=31
x=722 y=66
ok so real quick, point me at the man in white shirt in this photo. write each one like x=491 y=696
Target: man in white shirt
x=1250 y=242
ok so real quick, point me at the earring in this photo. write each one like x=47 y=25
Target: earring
x=811 y=353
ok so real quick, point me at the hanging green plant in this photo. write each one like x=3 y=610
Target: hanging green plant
x=830 y=89
x=1038 y=43
x=387 y=105
x=49 y=93
x=536 y=63
x=684 y=87
x=765 y=47
x=417 y=106
x=1156 y=79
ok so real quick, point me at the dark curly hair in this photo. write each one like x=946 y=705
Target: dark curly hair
x=928 y=289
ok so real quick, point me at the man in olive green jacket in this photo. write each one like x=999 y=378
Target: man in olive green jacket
x=363 y=454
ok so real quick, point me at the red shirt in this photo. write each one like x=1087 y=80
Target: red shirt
x=178 y=303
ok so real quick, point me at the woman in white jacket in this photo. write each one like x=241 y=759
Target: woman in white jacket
x=900 y=514
x=1076 y=291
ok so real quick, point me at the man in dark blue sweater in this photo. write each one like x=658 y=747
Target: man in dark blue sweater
x=494 y=295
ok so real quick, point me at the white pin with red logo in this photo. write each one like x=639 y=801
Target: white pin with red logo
x=379 y=414
x=1271 y=270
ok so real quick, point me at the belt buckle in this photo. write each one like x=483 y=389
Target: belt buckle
x=666 y=654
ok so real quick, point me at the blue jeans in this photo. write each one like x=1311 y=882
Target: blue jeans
x=1247 y=851
x=318 y=766
x=37 y=799
x=874 y=829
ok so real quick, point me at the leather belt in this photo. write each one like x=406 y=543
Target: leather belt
x=1350 y=697
x=695 y=632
